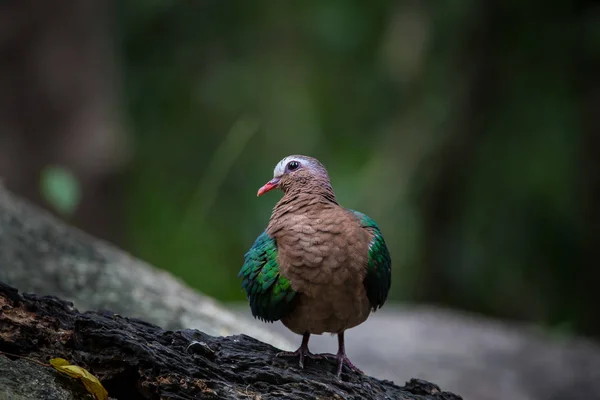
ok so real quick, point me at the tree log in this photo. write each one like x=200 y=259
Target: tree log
x=137 y=360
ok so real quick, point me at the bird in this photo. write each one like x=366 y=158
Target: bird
x=318 y=267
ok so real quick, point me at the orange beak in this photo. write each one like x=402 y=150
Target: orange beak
x=272 y=184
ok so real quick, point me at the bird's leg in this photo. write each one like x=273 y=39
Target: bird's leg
x=341 y=357
x=301 y=352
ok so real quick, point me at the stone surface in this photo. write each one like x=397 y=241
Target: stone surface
x=40 y=254
x=25 y=380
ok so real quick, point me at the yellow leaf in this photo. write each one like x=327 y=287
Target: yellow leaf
x=58 y=362
x=91 y=383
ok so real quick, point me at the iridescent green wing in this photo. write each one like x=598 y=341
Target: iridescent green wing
x=379 y=267
x=269 y=293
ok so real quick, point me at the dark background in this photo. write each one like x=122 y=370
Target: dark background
x=468 y=130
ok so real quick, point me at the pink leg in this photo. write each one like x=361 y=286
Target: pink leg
x=342 y=358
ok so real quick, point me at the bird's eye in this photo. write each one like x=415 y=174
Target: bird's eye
x=293 y=165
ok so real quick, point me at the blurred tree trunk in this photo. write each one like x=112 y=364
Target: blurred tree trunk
x=587 y=75
x=57 y=103
x=442 y=199
x=561 y=291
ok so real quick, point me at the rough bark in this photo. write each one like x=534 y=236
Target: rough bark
x=137 y=360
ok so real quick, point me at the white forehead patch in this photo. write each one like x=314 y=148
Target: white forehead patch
x=280 y=167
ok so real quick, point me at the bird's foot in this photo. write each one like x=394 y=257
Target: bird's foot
x=342 y=358
x=301 y=353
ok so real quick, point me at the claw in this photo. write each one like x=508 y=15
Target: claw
x=342 y=358
x=301 y=353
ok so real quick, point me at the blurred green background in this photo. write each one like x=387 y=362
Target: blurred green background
x=467 y=130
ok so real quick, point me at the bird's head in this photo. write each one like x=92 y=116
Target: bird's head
x=298 y=173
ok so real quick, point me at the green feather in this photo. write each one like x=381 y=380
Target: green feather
x=269 y=293
x=379 y=266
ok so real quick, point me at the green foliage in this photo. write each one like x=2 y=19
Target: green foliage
x=60 y=188
x=270 y=294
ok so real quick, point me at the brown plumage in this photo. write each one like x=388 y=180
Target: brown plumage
x=323 y=250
